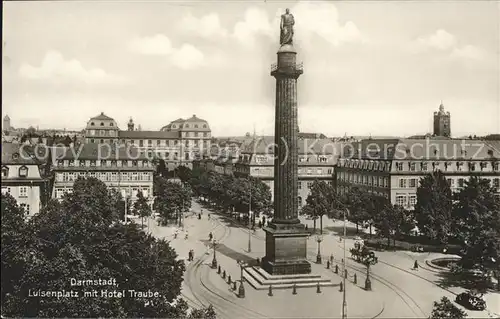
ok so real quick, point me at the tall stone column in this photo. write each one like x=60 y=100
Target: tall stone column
x=286 y=239
x=286 y=72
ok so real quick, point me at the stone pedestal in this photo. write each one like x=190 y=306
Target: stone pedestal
x=286 y=250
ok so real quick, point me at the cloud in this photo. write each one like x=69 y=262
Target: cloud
x=187 y=57
x=255 y=22
x=322 y=19
x=155 y=45
x=443 y=41
x=440 y=40
x=468 y=52
x=207 y=26
x=312 y=19
x=55 y=67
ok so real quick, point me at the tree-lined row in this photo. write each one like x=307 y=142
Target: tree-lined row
x=230 y=193
x=82 y=237
x=469 y=218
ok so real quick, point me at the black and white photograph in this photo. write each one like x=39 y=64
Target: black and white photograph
x=219 y=159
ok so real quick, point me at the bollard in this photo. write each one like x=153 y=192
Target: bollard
x=345 y=273
x=327 y=264
x=229 y=279
x=218 y=270
x=224 y=274
x=336 y=269
x=355 y=279
x=341 y=286
x=318 y=288
x=415 y=265
x=270 y=293
x=294 y=290
x=234 y=285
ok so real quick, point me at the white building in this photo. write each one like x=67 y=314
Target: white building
x=22 y=176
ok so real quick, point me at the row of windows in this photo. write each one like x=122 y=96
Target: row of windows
x=406 y=200
x=101 y=124
x=186 y=125
x=448 y=166
x=366 y=165
x=106 y=163
x=106 y=176
x=23 y=171
x=129 y=191
x=343 y=190
x=377 y=181
x=23 y=191
x=110 y=133
x=309 y=184
x=408 y=182
x=150 y=143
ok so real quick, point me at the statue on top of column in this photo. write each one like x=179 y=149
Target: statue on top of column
x=286 y=27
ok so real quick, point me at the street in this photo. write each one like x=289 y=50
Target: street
x=397 y=289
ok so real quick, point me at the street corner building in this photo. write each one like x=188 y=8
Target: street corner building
x=24 y=176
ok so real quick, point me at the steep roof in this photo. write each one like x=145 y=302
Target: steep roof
x=102 y=116
x=265 y=145
x=422 y=149
x=23 y=154
x=93 y=151
x=148 y=134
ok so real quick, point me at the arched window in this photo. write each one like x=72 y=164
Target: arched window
x=204 y=125
x=23 y=171
x=187 y=125
x=111 y=124
x=196 y=126
x=173 y=126
x=92 y=124
x=5 y=171
x=102 y=123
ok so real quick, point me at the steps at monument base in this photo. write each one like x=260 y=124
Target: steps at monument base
x=268 y=276
x=258 y=282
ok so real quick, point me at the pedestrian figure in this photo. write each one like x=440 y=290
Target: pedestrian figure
x=190 y=255
x=210 y=236
x=415 y=265
x=186 y=236
x=209 y=216
x=306 y=228
x=175 y=234
x=260 y=224
x=199 y=216
x=331 y=258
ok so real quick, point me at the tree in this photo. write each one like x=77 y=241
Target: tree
x=476 y=217
x=161 y=168
x=356 y=200
x=142 y=208
x=79 y=238
x=445 y=309
x=14 y=244
x=392 y=221
x=171 y=199
x=434 y=206
x=321 y=200
x=184 y=173
x=207 y=313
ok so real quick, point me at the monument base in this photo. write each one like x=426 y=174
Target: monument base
x=286 y=249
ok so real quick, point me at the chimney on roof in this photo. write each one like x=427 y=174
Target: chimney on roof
x=102 y=113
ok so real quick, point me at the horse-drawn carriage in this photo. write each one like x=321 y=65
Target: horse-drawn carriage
x=362 y=254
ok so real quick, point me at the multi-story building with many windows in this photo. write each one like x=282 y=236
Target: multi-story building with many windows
x=23 y=176
x=317 y=160
x=178 y=143
x=123 y=169
x=394 y=167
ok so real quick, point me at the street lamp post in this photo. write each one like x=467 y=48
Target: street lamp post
x=241 y=291
x=214 y=260
x=319 y=239
x=249 y=219
x=344 y=301
x=370 y=260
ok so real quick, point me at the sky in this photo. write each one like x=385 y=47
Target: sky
x=372 y=67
